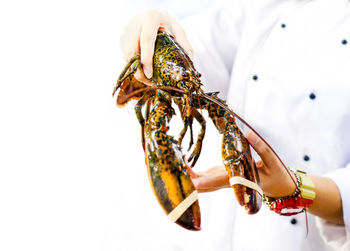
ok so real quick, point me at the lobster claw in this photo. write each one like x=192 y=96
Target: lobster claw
x=171 y=183
x=241 y=169
x=130 y=89
x=179 y=199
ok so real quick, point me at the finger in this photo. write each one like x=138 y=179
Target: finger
x=211 y=181
x=189 y=169
x=264 y=151
x=130 y=40
x=259 y=164
x=202 y=186
x=192 y=174
x=147 y=42
x=209 y=184
x=140 y=76
x=262 y=169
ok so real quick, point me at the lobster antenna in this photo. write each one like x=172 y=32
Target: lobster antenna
x=126 y=97
x=154 y=88
x=307 y=224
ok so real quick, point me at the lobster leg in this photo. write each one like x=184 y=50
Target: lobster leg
x=130 y=89
x=187 y=122
x=131 y=68
x=148 y=107
x=197 y=150
x=138 y=110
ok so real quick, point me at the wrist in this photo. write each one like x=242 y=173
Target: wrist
x=297 y=202
x=287 y=185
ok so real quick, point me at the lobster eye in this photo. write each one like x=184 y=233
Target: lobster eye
x=184 y=75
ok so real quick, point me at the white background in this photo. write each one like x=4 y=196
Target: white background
x=72 y=172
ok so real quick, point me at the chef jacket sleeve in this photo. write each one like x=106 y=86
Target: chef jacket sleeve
x=337 y=236
x=214 y=36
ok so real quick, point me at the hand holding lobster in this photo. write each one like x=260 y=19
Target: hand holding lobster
x=140 y=35
x=174 y=74
x=139 y=39
x=274 y=179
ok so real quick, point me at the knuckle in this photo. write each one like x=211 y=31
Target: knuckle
x=146 y=38
x=264 y=150
x=139 y=75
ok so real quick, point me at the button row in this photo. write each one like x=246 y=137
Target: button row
x=344 y=41
x=312 y=95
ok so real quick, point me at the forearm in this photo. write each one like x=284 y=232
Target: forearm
x=327 y=204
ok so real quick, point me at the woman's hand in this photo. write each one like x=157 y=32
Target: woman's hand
x=139 y=37
x=210 y=180
x=275 y=180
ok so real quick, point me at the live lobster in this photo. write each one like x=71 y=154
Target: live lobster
x=176 y=79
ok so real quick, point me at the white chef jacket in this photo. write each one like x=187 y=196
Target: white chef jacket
x=283 y=65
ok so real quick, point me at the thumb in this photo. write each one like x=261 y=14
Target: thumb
x=264 y=151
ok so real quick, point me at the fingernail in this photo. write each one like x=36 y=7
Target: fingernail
x=252 y=138
x=147 y=71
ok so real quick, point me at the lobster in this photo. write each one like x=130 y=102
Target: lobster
x=175 y=79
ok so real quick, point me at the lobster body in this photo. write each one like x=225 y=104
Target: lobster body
x=166 y=167
x=172 y=66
